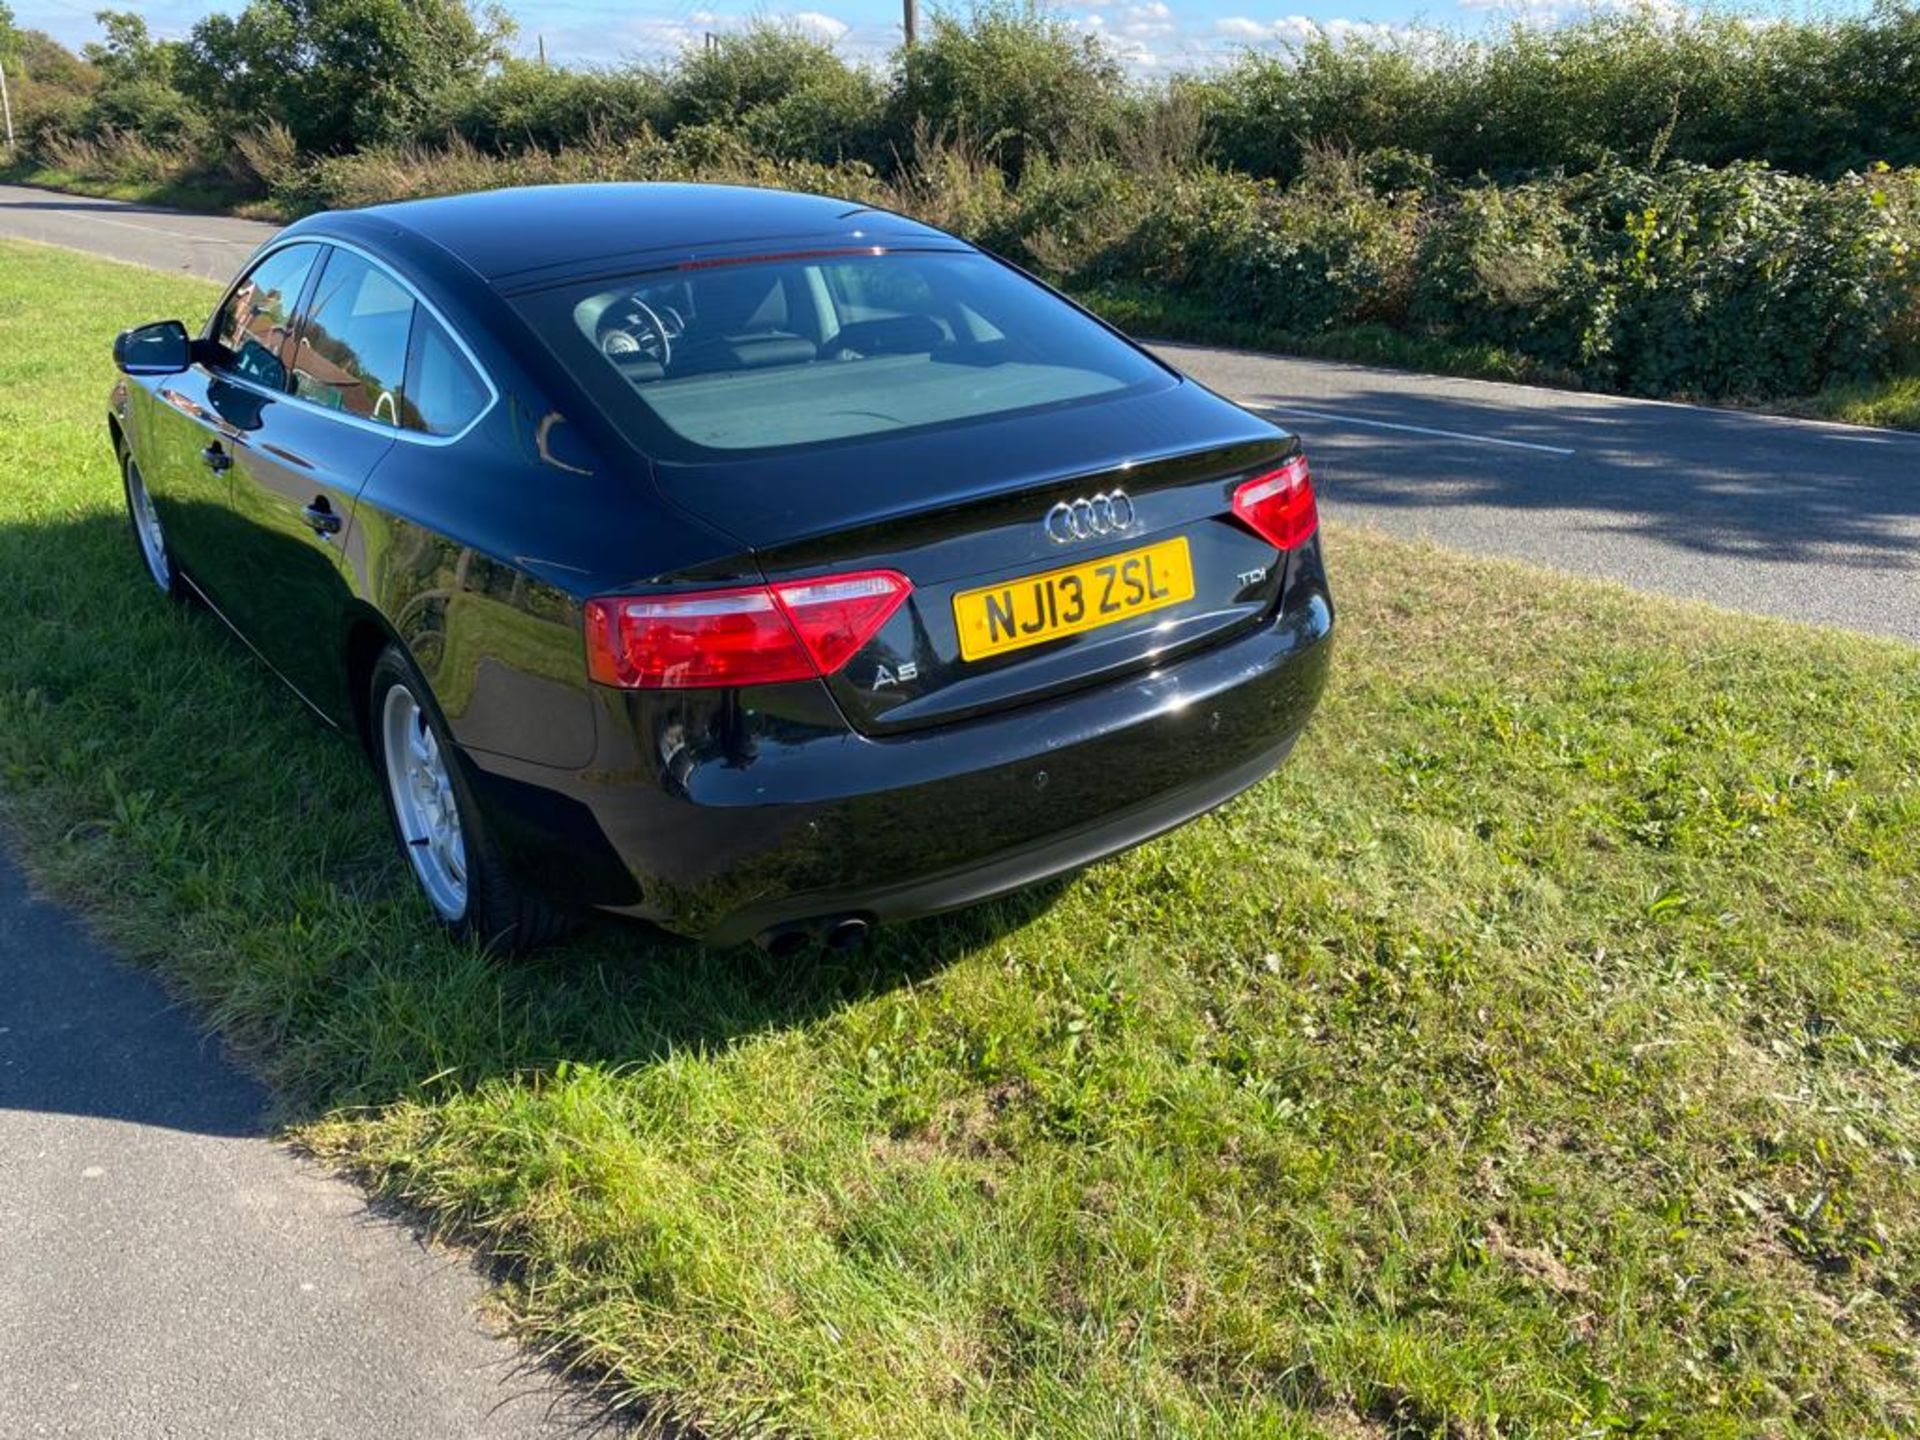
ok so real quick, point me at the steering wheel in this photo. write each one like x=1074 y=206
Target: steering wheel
x=654 y=341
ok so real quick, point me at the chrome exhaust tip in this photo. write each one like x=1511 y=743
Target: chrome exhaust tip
x=848 y=933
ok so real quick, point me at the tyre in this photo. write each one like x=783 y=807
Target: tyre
x=437 y=823
x=149 y=536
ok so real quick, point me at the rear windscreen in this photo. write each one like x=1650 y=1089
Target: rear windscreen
x=812 y=349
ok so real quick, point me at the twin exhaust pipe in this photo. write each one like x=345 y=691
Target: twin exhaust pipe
x=834 y=932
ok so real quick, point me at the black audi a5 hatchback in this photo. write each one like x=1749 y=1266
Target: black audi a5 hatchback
x=758 y=564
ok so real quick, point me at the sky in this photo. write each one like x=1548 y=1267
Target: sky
x=1151 y=36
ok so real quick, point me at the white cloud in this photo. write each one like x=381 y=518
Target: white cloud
x=1547 y=13
x=1146 y=21
x=1297 y=30
x=812 y=22
x=657 y=37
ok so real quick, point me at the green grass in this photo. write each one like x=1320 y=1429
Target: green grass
x=1894 y=402
x=1537 y=1054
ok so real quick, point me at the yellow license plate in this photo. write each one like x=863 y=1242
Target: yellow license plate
x=1034 y=608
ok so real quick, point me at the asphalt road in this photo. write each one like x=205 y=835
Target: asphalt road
x=166 y=1270
x=1783 y=517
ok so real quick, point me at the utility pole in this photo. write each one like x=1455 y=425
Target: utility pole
x=6 y=103
x=910 y=20
x=542 y=41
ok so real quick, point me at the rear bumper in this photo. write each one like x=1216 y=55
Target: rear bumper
x=721 y=818
x=1007 y=870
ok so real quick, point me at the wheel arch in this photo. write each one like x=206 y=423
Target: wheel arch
x=367 y=636
x=117 y=433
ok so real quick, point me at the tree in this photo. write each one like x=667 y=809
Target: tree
x=129 y=53
x=339 y=74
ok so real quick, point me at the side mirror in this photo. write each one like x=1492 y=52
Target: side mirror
x=161 y=348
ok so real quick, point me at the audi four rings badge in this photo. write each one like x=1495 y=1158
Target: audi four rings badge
x=1108 y=513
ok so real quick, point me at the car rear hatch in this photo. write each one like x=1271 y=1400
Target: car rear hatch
x=1046 y=553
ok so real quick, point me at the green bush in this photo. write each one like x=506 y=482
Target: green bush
x=1509 y=267
x=1819 y=97
x=1067 y=221
x=788 y=94
x=137 y=93
x=1686 y=279
x=1744 y=280
x=1268 y=110
x=525 y=106
x=1197 y=234
x=738 y=72
x=1013 y=81
x=1331 y=250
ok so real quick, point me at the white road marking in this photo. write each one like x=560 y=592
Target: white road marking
x=161 y=230
x=1417 y=430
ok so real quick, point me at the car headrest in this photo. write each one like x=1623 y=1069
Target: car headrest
x=892 y=335
x=742 y=352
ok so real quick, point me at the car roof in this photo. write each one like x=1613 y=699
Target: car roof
x=535 y=235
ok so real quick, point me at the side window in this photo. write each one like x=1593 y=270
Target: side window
x=352 y=352
x=443 y=393
x=256 y=320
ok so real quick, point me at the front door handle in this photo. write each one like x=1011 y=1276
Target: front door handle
x=320 y=517
x=217 y=459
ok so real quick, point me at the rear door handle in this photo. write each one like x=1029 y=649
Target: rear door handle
x=320 y=517
x=216 y=458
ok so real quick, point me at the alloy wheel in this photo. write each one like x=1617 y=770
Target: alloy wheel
x=424 y=802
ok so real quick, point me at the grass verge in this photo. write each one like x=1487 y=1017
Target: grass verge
x=1893 y=403
x=1140 y=310
x=1535 y=1054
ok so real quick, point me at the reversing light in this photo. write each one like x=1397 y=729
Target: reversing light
x=751 y=635
x=1279 y=506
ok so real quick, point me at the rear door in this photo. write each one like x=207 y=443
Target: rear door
x=299 y=472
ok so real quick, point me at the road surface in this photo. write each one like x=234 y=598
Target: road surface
x=1798 y=518
x=167 y=1270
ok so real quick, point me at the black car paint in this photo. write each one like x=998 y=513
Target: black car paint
x=721 y=812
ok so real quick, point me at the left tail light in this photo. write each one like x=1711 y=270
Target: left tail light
x=751 y=635
x=1279 y=505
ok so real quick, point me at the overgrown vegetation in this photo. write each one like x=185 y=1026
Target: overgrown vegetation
x=1535 y=1054
x=1702 y=206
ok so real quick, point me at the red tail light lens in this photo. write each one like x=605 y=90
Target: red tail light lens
x=1279 y=506
x=837 y=614
x=755 y=635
